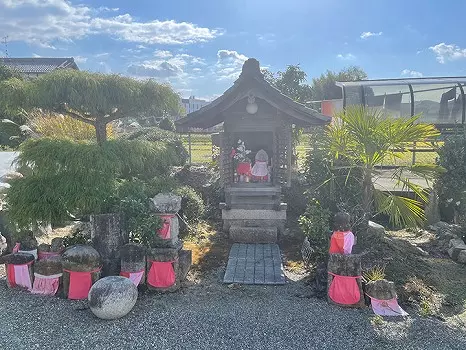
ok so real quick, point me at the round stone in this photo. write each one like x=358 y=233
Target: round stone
x=112 y=297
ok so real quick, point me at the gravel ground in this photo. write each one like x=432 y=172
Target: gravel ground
x=209 y=315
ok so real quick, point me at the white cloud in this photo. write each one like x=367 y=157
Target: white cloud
x=103 y=54
x=411 y=73
x=45 y=22
x=80 y=59
x=229 y=64
x=365 y=35
x=36 y=55
x=448 y=52
x=162 y=53
x=346 y=56
x=167 y=66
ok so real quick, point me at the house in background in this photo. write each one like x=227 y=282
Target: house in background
x=193 y=104
x=37 y=66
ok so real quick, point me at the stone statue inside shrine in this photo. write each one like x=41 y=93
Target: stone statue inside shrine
x=260 y=171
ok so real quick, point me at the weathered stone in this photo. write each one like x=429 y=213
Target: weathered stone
x=133 y=257
x=112 y=297
x=17 y=258
x=247 y=214
x=382 y=289
x=462 y=257
x=253 y=234
x=375 y=229
x=28 y=241
x=108 y=236
x=166 y=203
x=48 y=267
x=43 y=247
x=80 y=258
x=57 y=245
x=164 y=255
x=439 y=225
x=456 y=246
x=185 y=258
x=345 y=265
x=171 y=242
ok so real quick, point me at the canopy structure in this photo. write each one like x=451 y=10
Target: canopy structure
x=251 y=82
x=439 y=100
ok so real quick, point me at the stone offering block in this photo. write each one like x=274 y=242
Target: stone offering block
x=346 y=271
x=108 y=236
x=382 y=289
x=48 y=267
x=133 y=257
x=19 y=269
x=185 y=259
x=112 y=297
x=172 y=225
x=456 y=246
x=166 y=203
x=163 y=272
x=133 y=262
x=80 y=258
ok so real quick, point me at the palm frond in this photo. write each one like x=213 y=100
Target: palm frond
x=402 y=211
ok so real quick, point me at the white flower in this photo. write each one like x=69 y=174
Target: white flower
x=458 y=203
x=449 y=200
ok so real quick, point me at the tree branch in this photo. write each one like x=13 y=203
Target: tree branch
x=72 y=114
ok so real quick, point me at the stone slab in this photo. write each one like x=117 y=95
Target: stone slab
x=253 y=234
x=249 y=214
x=254 y=264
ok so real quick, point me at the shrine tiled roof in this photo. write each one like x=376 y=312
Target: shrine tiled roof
x=251 y=81
x=38 y=65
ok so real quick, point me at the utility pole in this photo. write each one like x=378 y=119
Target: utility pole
x=5 y=43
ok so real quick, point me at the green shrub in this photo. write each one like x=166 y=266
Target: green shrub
x=451 y=185
x=315 y=224
x=80 y=178
x=167 y=124
x=333 y=183
x=155 y=134
x=192 y=206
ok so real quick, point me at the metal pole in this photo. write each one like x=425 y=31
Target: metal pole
x=411 y=92
x=414 y=152
x=189 y=146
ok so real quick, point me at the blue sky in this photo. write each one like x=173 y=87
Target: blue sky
x=199 y=46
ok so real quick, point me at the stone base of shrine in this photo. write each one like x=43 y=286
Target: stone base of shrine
x=254 y=226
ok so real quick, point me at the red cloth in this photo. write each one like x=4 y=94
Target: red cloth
x=164 y=232
x=16 y=247
x=344 y=289
x=341 y=242
x=80 y=284
x=243 y=168
x=46 y=285
x=161 y=274
x=18 y=275
x=135 y=277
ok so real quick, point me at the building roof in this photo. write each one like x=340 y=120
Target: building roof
x=251 y=81
x=38 y=65
x=404 y=81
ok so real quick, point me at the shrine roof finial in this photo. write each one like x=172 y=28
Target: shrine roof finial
x=251 y=68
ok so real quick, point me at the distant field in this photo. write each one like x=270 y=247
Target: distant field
x=201 y=151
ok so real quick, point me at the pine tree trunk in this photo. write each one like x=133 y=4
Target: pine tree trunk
x=101 y=131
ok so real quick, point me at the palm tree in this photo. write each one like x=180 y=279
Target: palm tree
x=365 y=138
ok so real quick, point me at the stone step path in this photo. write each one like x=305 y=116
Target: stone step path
x=254 y=264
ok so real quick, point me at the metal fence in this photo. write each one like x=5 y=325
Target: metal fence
x=201 y=150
